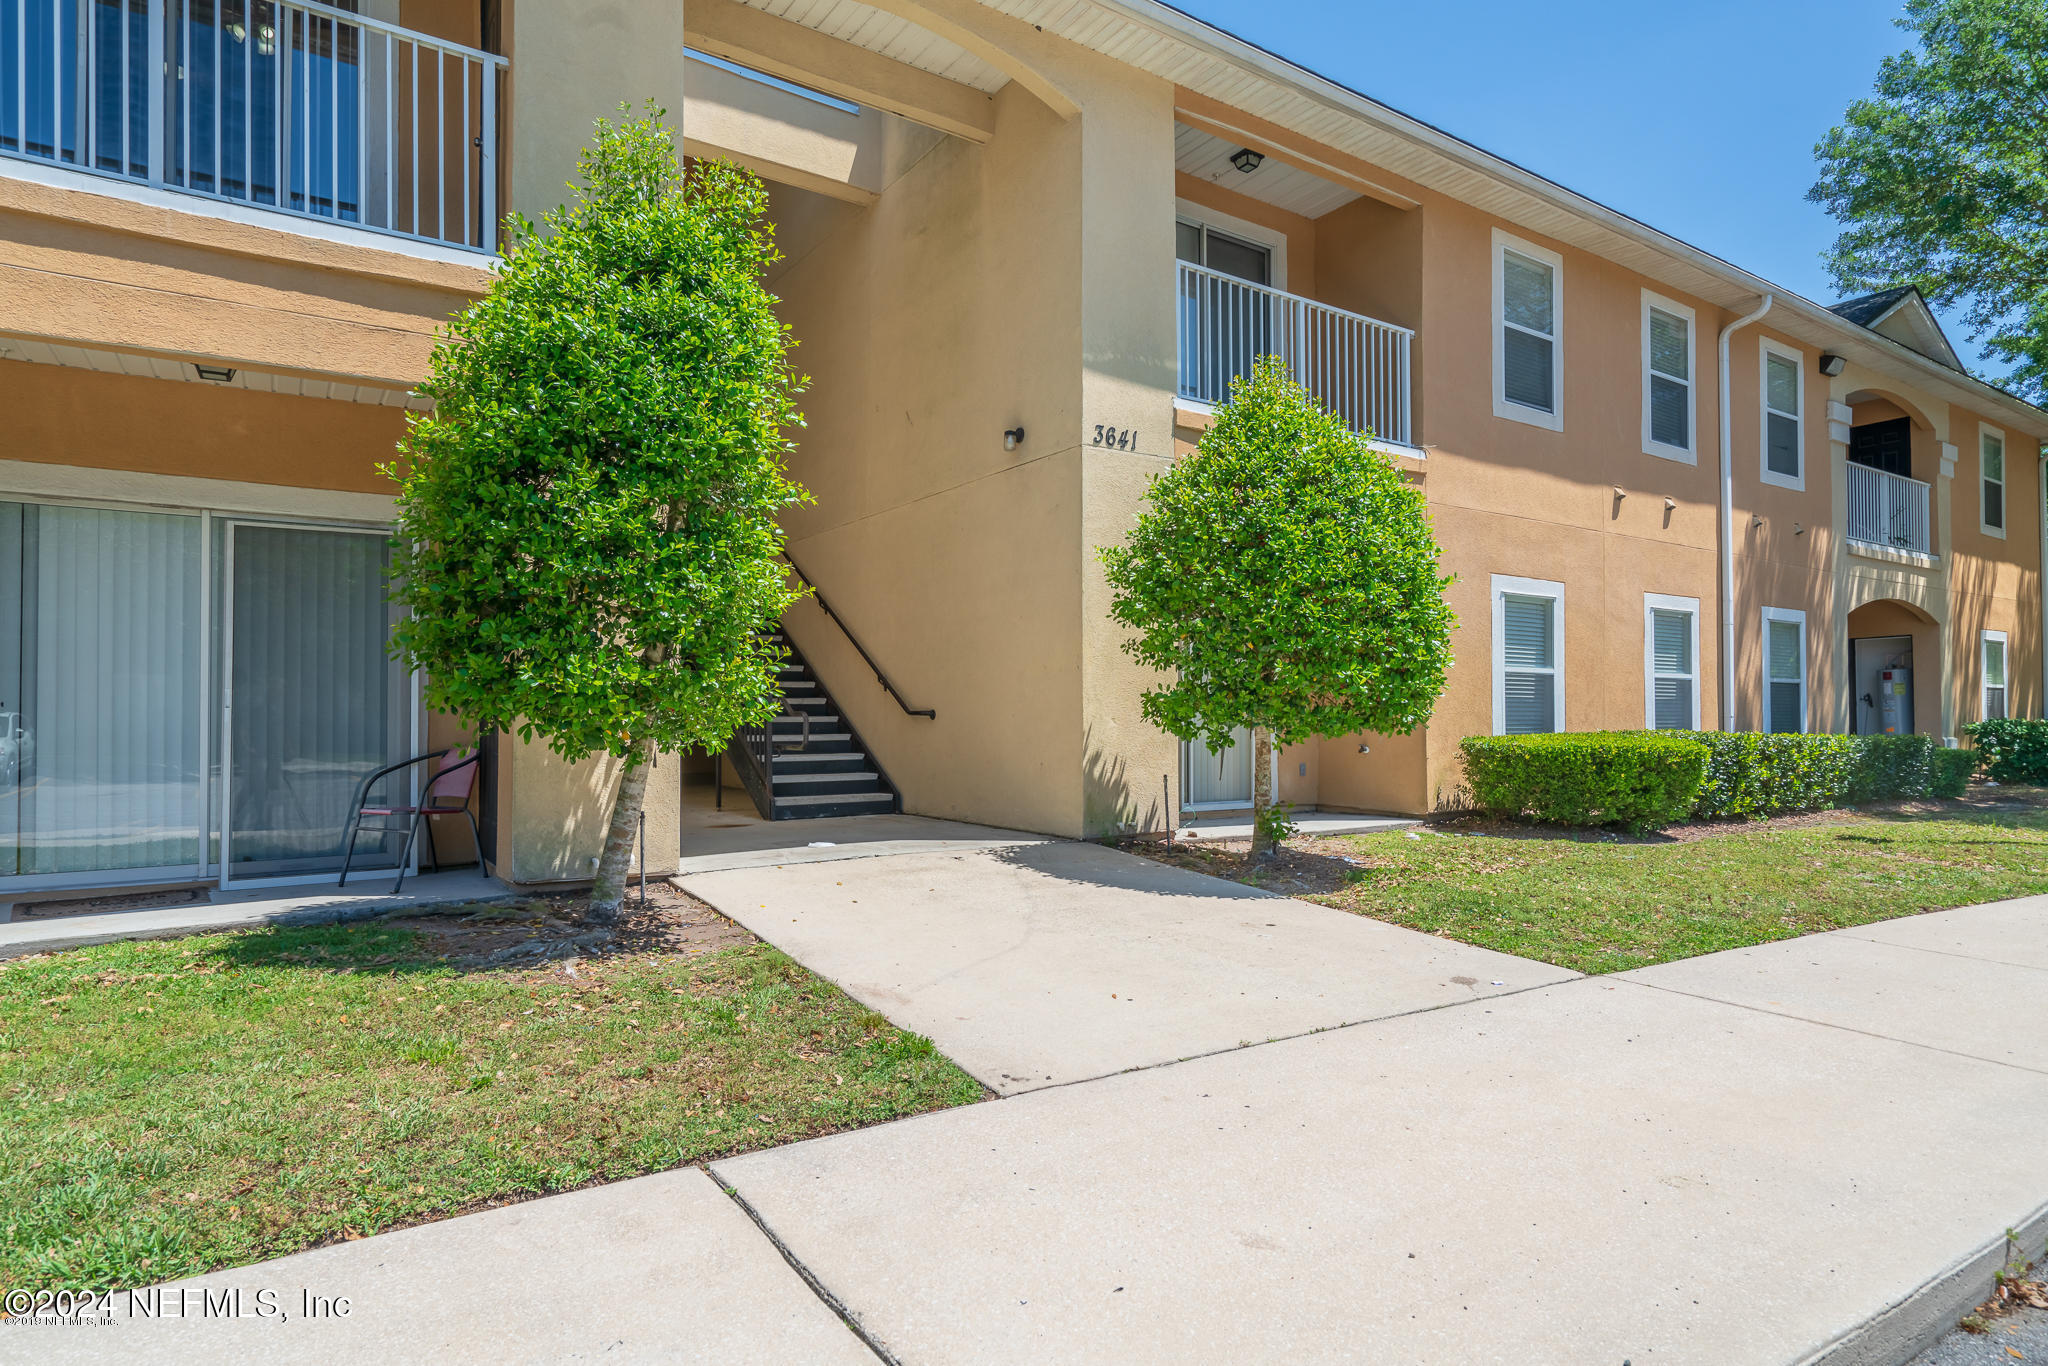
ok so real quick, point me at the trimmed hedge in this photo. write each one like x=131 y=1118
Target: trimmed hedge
x=1634 y=778
x=1951 y=772
x=2012 y=750
x=1893 y=768
x=1641 y=780
x=1751 y=776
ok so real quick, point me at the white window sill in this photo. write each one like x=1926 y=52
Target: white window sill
x=1520 y=412
x=1678 y=455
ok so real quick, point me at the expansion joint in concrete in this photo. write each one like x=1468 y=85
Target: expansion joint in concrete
x=810 y=1277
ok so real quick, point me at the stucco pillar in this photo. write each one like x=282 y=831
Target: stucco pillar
x=572 y=62
x=1129 y=357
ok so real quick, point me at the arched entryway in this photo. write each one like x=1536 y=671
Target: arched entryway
x=1894 y=670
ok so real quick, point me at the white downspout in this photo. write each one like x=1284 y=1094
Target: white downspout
x=1728 y=523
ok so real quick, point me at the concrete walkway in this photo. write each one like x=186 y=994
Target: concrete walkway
x=247 y=908
x=1039 y=964
x=1800 y=1153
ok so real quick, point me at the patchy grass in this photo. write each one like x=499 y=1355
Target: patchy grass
x=1604 y=905
x=175 y=1106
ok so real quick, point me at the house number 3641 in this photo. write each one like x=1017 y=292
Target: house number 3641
x=1116 y=438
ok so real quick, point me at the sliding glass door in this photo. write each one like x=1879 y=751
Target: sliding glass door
x=313 y=701
x=183 y=692
x=101 y=691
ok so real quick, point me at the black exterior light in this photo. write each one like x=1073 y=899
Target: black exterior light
x=1246 y=160
x=1832 y=364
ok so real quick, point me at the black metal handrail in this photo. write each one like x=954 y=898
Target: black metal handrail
x=854 y=641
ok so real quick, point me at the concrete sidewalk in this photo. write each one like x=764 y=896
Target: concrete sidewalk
x=1039 y=964
x=1799 y=1153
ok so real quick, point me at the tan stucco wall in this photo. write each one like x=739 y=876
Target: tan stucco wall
x=63 y=416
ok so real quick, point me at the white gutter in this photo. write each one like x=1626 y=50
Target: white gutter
x=1728 y=521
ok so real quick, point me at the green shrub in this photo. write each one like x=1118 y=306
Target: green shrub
x=2012 y=750
x=1641 y=780
x=1951 y=770
x=1751 y=776
x=1892 y=768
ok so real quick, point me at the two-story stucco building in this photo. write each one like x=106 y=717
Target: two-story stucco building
x=1026 y=244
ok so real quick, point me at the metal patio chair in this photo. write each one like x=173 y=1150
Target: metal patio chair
x=447 y=795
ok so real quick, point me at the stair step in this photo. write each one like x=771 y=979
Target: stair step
x=848 y=783
x=818 y=761
x=795 y=720
x=835 y=743
x=790 y=699
x=836 y=804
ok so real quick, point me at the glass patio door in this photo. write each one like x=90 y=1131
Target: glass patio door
x=102 y=712
x=313 y=703
x=1217 y=779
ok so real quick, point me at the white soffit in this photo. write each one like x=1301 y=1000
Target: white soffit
x=1207 y=157
x=38 y=352
x=885 y=35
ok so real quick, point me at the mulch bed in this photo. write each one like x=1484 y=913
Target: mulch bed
x=543 y=928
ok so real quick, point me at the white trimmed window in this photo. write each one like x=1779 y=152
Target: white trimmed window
x=1671 y=662
x=1993 y=694
x=1782 y=400
x=1527 y=326
x=1528 y=656
x=1991 y=479
x=1668 y=390
x=1784 y=670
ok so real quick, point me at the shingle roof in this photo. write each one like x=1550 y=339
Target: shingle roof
x=1868 y=309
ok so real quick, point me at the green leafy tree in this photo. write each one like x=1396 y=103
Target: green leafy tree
x=1286 y=577
x=587 y=522
x=1940 y=177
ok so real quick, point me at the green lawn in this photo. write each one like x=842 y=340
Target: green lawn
x=1606 y=905
x=175 y=1106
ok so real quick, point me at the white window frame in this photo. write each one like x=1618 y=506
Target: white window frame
x=1654 y=603
x=1765 y=350
x=1258 y=234
x=1986 y=430
x=1797 y=618
x=1508 y=585
x=1984 y=644
x=1686 y=454
x=1518 y=412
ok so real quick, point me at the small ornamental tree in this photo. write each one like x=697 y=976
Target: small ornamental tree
x=587 y=534
x=1286 y=576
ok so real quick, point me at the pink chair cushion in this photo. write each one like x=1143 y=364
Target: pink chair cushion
x=453 y=789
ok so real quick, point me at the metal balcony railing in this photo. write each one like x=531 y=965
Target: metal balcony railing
x=302 y=107
x=1887 y=509
x=1357 y=366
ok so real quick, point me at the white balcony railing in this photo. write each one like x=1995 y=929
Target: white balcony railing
x=1357 y=366
x=297 y=107
x=1887 y=509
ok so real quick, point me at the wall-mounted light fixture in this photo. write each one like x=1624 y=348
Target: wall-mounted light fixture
x=1013 y=438
x=1246 y=160
x=1832 y=364
x=214 y=374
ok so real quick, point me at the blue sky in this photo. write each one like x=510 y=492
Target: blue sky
x=1699 y=119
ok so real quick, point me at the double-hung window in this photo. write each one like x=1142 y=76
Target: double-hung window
x=1671 y=662
x=1668 y=422
x=1991 y=479
x=1784 y=670
x=1994 y=698
x=1527 y=377
x=1782 y=400
x=1528 y=656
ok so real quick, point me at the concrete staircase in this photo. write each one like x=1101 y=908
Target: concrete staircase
x=817 y=765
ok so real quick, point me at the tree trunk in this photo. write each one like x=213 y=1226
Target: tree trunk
x=615 y=865
x=1262 y=793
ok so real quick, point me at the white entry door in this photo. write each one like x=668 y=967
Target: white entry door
x=1217 y=780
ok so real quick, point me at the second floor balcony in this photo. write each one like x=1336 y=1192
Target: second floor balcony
x=301 y=108
x=1358 y=367
x=1887 y=510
